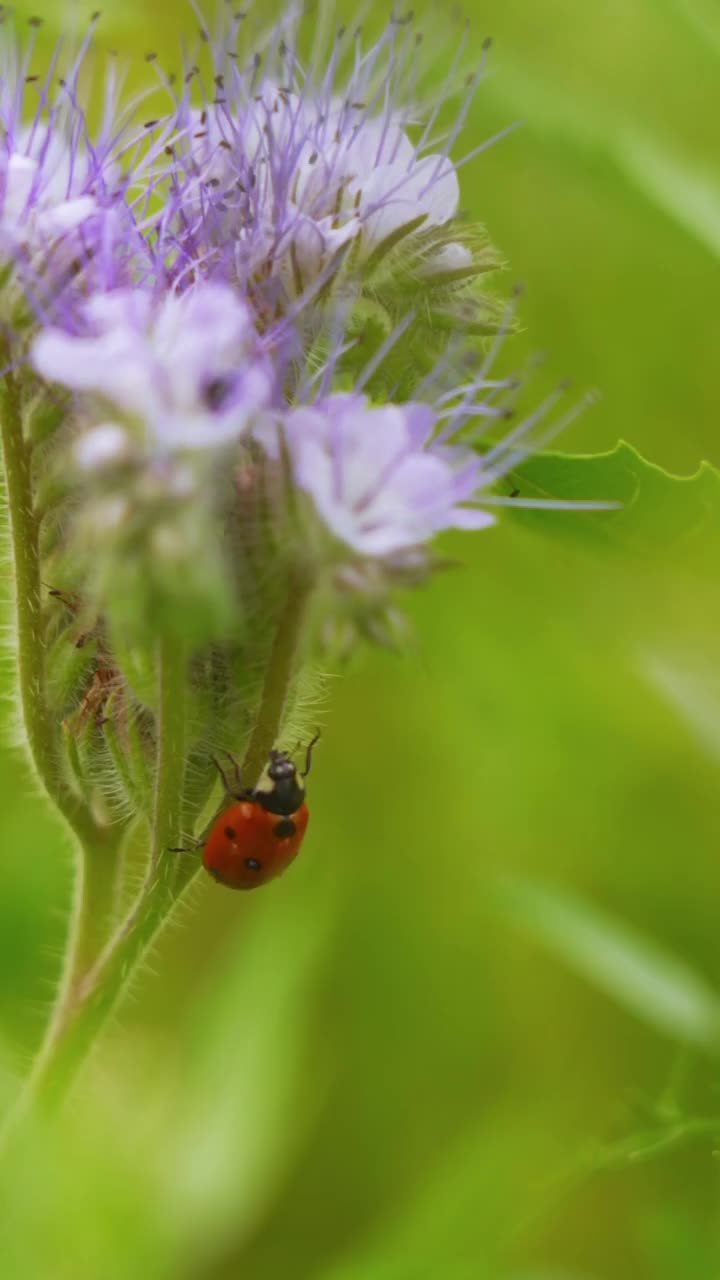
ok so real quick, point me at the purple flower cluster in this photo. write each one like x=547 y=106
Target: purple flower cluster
x=185 y=371
x=61 y=191
x=376 y=478
x=254 y=274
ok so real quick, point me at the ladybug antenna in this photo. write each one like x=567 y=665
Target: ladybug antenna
x=308 y=754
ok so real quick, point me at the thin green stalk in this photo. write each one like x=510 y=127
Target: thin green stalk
x=95 y=844
x=96 y=989
x=89 y=913
x=97 y=993
x=39 y=724
x=279 y=673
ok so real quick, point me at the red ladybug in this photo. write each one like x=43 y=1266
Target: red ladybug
x=257 y=837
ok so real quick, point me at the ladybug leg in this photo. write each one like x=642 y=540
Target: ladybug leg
x=187 y=848
x=308 y=754
x=238 y=790
x=69 y=599
x=225 y=780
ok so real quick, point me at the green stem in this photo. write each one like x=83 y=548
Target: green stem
x=279 y=673
x=95 y=843
x=89 y=913
x=39 y=724
x=93 y=997
x=93 y=990
x=171 y=749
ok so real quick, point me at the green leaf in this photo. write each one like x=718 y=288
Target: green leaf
x=634 y=970
x=657 y=511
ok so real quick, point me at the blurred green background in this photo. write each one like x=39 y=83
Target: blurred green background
x=423 y=1053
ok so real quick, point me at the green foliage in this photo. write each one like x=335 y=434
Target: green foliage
x=657 y=513
x=631 y=969
x=365 y=1072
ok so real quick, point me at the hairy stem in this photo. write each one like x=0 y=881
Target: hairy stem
x=93 y=996
x=89 y=915
x=39 y=724
x=279 y=673
x=95 y=844
x=93 y=990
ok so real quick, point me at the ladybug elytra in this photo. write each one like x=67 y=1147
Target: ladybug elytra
x=254 y=839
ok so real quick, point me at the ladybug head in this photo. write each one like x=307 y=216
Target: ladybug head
x=286 y=792
x=281 y=767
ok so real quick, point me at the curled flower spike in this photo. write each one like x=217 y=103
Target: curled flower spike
x=52 y=181
x=285 y=180
x=232 y=425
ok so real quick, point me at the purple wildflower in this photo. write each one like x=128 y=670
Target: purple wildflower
x=71 y=200
x=187 y=369
x=375 y=477
x=282 y=174
x=258 y=252
x=50 y=181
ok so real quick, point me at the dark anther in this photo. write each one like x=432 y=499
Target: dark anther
x=150 y=124
x=35 y=22
x=487 y=42
x=151 y=57
x=215 y=392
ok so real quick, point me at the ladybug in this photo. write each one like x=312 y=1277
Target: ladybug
x=254 y=839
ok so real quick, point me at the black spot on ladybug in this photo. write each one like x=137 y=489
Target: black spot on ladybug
x=252 y=864
x=284 y=828
x=231 y=833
